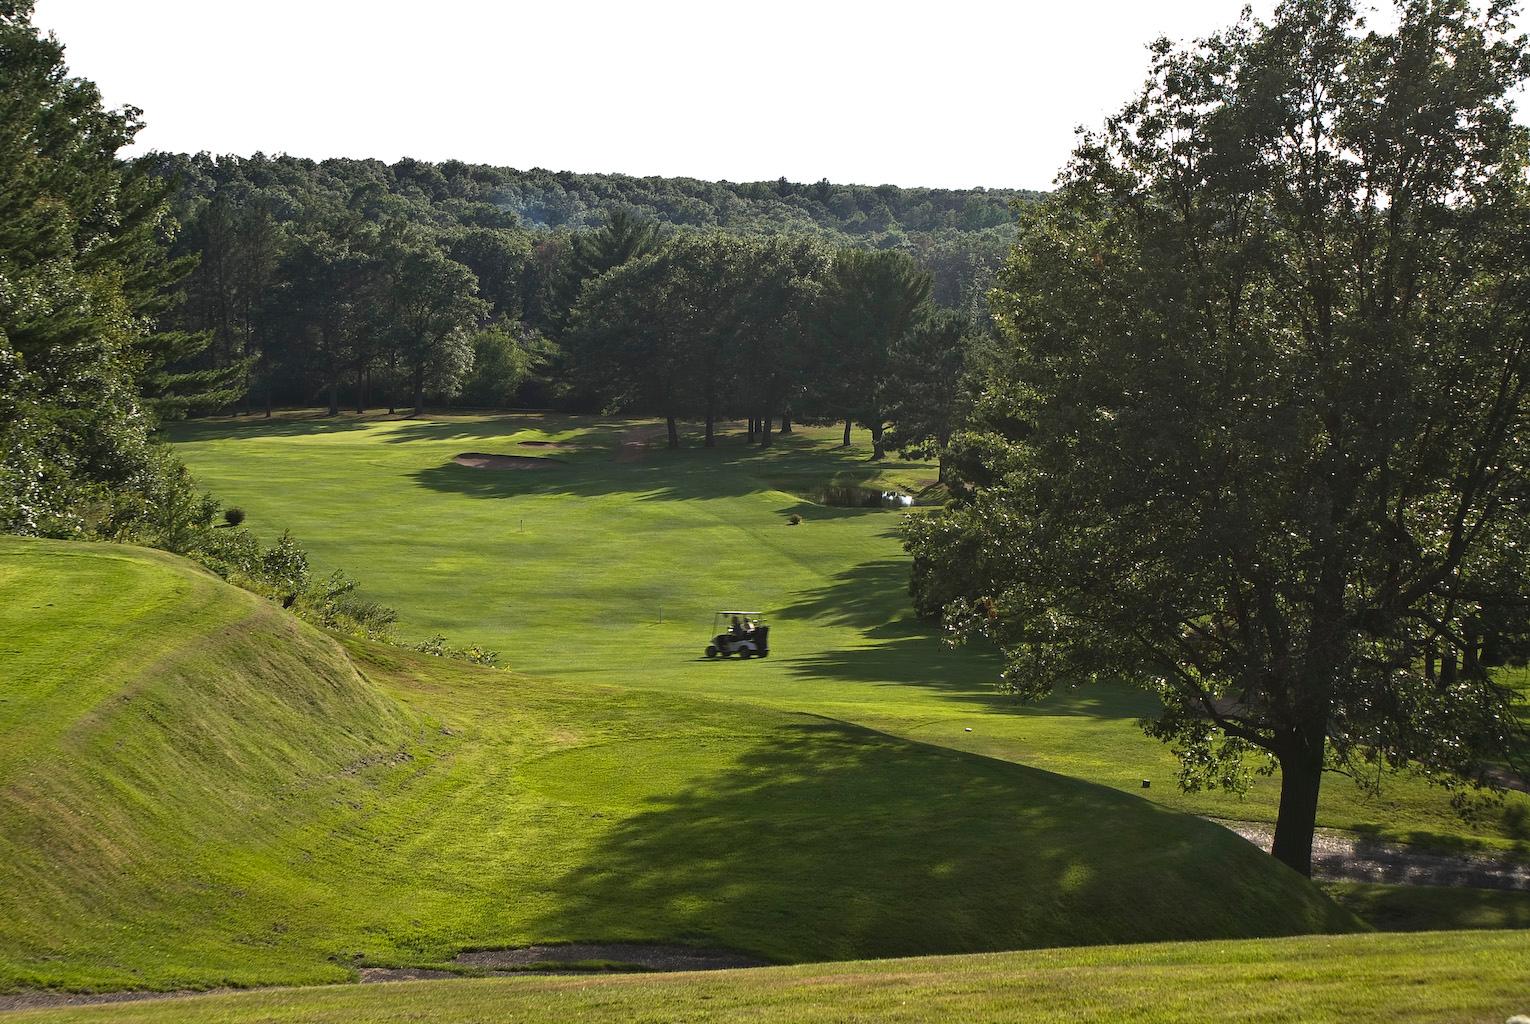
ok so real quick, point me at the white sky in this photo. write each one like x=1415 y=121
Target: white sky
x=954 y=94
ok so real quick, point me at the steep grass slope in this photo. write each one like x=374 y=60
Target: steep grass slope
x=197 y=790
x=1437 y=978
x=606 y=568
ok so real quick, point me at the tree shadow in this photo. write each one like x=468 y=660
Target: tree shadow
x=873 y=598
x=728 y=471
x=502 y=428
x=826 y=841
x=306 y=425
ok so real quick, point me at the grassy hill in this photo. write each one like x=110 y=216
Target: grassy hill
x=606 y=568
x=197 y=789
x=1439 y=978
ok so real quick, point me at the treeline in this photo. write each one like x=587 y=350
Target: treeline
x=358 y=284
x=706 y=327
x=454 y=193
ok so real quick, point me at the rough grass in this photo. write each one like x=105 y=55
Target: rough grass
x=1438 y=978
x=608 y=572
x=200 y=790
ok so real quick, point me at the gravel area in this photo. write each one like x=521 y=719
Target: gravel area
x=1345 y=857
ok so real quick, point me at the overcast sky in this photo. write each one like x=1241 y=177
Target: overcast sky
x=953 y=93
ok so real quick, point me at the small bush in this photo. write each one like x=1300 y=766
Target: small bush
x=437 y=647
x=793 y=520
x=233 y=515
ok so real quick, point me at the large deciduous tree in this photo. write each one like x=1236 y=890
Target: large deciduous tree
x=433 y=305
x=650 y=334
x=931 y=386
x=868 y=304
x=1262 y=443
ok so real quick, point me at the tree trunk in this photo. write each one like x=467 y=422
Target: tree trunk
x=846 y=442
x=878 y=450
x=765 y=425
x=419 y=391
x=268 y=401
x=786 y=423
x=1301 y=776
x=750 y=439
x=334 y=396
x=361 y=394
x=674 y=432
x=711 y=441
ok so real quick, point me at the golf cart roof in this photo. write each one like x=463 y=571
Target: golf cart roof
x=737 y=613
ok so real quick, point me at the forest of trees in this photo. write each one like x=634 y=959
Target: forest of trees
x=355 y=284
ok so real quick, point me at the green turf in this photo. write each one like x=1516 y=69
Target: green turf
x=605 y=571
x=1416 y=908
x=198 y=789
x=1436 y=978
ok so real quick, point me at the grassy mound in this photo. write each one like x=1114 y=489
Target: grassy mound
x=1362 y=979
x=608 y=571
x=200 y=790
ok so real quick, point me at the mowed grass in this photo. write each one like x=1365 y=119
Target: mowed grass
x=606 y=570
x=1438 y=978
x=197 y=790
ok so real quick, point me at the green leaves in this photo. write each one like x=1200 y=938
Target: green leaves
x=1259 y=437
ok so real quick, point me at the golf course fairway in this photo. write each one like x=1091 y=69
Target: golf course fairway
x=605 y=567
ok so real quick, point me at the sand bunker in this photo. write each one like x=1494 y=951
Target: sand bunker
x=481 y=460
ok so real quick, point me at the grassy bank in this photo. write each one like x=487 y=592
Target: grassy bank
x=200 y=790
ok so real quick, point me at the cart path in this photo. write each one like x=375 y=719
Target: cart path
x=1346 y=857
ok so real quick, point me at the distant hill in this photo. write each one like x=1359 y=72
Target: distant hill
x=960 y=235
x=479 y=194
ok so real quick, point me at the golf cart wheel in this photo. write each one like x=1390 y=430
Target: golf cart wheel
x=745 y=654
x=711 y=650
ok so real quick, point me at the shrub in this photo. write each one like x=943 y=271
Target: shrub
x=233 y=515
x=793 y=520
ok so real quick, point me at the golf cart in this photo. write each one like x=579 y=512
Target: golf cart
x=741 y=633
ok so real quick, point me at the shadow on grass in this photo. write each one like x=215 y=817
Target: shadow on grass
x=305 y=425
x=873 y=599
x=730 y=470
x=824 y=841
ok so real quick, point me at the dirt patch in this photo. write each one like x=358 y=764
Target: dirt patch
x=43 y=1000
x=482 y=460
x=1342 y=857
x=555 y=445
x=651 y=958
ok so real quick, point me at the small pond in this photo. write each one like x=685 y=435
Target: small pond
x=862 y=497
